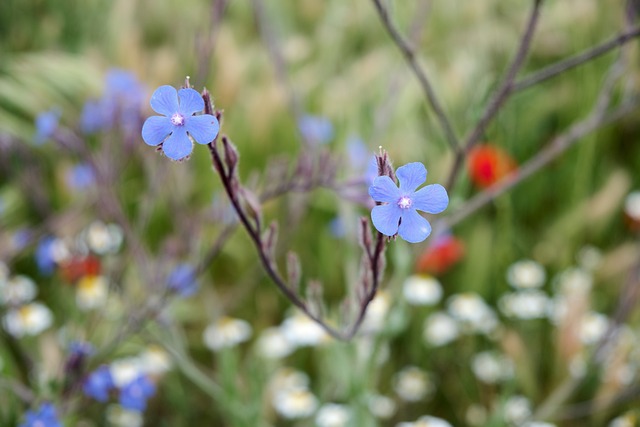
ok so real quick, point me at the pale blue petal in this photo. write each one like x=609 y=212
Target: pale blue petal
x=178 y=145
x=156 y=129
x=414 y=228
x=411 y=176
x=165 y=100
x=384 y=190
x=190 y=102
x=432 y=199
x=203 y=129
x=385 y=218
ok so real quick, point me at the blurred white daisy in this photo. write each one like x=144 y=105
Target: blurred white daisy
x=516 y=410
x=333 y=415
x=30 y=319
x=92 y=292
x=273 y=344
x=476 y=414
x=293 y=403
x=300 y=331
x=226 y=332
x=125 y=370
x=593 y=327
x=589 y=257
x=382 y=407
x=154 y=360
x=626 y=420
x=526 y=274
x=121 y=417
x=527 y=304
x=575 y=279
x=288 y=378
x=17 y=290
x=426 y=421
x=472 y=312
x=491 y=368
x=103 y=238
x=376 y=314
x=440 y=329
x=537 y=424
x=412 y=384
x=422 y=290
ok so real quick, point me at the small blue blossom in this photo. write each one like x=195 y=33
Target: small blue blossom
x=179 y=125
x=98 y=384
x=315 y=130
x=45 y=255
x=399 y=213
x=183 y=280
x=134 y=395
x=46 y=125
x=44 y=416
x=93 y=118
x=80 y=177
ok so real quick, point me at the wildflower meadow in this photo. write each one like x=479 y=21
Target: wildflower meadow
x=316 y=213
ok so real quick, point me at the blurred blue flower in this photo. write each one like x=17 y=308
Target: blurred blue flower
x=134 y=395
x=98 y=384
x=183 y=280
x=45 y=255
x=399 y=215
x=175 y=130
x=315 y=129
x=93 y=117
x=362 y=159
x=80 y=176
x=46 y=124
x=45 y=416
x=20 y=238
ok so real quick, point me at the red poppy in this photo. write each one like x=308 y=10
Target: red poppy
x=77 y=267
x=488 y=164
x=443 y=254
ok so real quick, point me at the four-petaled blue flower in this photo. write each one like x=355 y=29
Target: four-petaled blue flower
x=134 y=395
x=44 y=416
x=179 y=126
x=399 y=215
x=98 y=384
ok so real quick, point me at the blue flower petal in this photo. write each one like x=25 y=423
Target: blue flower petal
x=384 y=190
x=203 y=129
x=178 y=145
x=156 y=129
x=432 y=199
x=165 y=100
x=411 y=176
x=385 y=218
x=190 y=102
x=414 y=228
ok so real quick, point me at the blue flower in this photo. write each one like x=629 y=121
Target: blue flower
x=183 y=280
x=46 y=125
x=80 y=176
x=399 y=215
x=45 y=416
x=98 y=384
x=315 y=130
x=134 y=395
x=179 y=126
x=45 y=255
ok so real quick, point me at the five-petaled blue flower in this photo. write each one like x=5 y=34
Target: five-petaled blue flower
x=399 y=215
x=45 y=416
x=179 y=126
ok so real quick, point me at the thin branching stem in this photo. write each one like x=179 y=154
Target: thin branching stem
x=409 y=54
x=500 y=96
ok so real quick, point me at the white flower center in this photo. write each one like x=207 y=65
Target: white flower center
x=177 y=119
x=405 y=202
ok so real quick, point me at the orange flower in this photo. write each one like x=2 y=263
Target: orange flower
x=488 y=164
x=443 y=254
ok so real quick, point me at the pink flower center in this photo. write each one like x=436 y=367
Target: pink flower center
x=177 y=119
x=405 y=202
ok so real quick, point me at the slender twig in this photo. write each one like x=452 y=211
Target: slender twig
x=574 y=61
x=558 y=146
x=500 y=96
x=409 y=54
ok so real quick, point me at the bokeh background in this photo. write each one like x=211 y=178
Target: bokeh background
x=551 y=339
